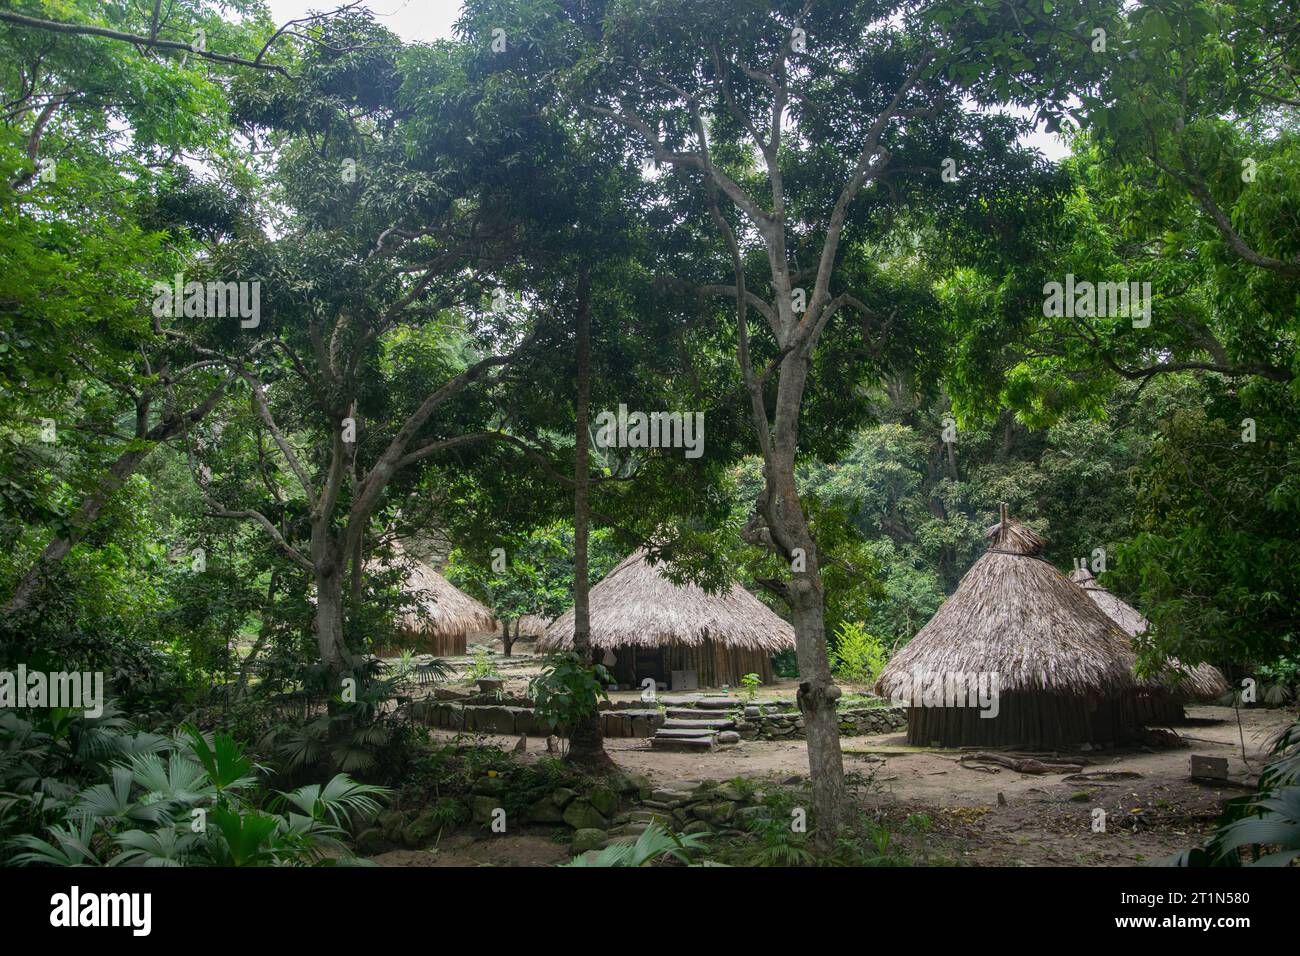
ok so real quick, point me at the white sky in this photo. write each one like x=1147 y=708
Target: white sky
x=409 y=19
x=415 y=20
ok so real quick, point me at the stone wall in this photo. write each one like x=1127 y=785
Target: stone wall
x=510 y=720
x=768 y=721
x=783 y=721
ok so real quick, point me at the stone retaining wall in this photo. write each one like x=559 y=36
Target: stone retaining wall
x=512 y=721
x=753 y=722
x=769 y=722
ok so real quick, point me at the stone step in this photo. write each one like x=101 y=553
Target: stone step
x=717 y=703
x=682 y=743
x=700 y=701
x=683 y=723
x=691 y=713
x=680 y=733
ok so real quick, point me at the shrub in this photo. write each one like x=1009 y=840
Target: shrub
x=857 y=655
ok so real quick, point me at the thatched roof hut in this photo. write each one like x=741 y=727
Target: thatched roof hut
x=1048 y=667
x=443 y=615
x=532 y=626
x=1202 y=682
x=651 y=627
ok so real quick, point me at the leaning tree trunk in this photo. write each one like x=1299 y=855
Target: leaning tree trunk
x=507 y=642
x=88 y=512
x=586 y=745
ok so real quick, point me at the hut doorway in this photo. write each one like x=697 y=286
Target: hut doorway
x=650 y=663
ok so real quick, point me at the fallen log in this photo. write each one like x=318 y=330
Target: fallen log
x=1023 y=764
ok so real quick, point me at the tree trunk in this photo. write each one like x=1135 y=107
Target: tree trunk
x=586 y=745
x=327 y=561
x=788 y=526
x=507 y=642
x=263 y=635
x=93 y=504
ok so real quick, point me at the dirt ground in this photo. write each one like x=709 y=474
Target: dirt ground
x=993 y=816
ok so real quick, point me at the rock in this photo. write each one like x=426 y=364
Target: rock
x=588 y=838
x=581 y=815
x=717 y=812
x=1081 y=797
x=604 y=800
x=521 y=745
x=728 y=737
x=552 y=744
x=370 y=841
x=743 y=815
x=563 y=796
x=545 y=811
x=697 y=826
x=490 y=786
x=641 y=782
x=669 y=798
x=729 y=791
x=490 y=685
x=624 y=784
x=391 y=823
x=792 y=781
x=481 y=808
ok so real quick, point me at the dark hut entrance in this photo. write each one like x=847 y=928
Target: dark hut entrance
x=650 y=663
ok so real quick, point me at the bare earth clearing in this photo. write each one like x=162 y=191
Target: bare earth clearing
x=1046 y=820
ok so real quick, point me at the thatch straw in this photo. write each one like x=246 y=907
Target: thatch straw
x=442 y=611
x=533 y=625
x=1016 y=615
x=1202 y=682
x=635 y=605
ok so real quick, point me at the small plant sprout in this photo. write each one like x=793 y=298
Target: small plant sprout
x=751 y=683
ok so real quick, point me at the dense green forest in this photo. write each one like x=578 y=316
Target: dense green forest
x=275 y=297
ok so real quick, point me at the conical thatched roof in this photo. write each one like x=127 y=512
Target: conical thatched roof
x=442 y=609
x=1016 y=615
x=635 y=604
x=1204 y=681
x=533 y=625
